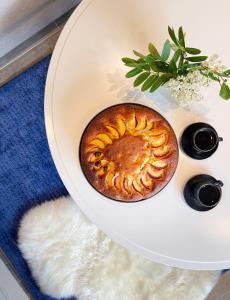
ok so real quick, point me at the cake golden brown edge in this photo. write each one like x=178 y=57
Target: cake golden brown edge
x=115 y=122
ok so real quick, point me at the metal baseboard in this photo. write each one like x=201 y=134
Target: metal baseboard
x=32 y=50
x=11 y=281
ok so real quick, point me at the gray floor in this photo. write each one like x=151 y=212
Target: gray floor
x=21 y=19
x=9 y=287
x=222 y=289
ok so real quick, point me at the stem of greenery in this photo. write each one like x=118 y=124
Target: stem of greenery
x=176 y=59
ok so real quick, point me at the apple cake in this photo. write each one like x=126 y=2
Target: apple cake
x=128 y=152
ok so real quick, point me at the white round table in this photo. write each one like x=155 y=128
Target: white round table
x=86 y=75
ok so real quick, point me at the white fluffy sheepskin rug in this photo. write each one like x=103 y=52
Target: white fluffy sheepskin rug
x=69 y=256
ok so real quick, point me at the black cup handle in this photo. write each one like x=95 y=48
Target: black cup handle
x=220 y=139
x=218 y=183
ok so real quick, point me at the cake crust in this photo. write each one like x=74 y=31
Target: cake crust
x=128 y=152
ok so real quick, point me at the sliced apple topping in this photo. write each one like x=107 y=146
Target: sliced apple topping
x=97 y=155
x=132 y=122
x=111 y=166
x=113 y=132
x=109 y=179
x=127 y=183
x=155 y=173
x=146 y=181
x=150 y=125
x=98 y=143
x=156 y=132
x=103 y=169
x=93 y=149
x=141 y=124
x=137 y=185
x=118 y=182
x=161 y=151
x=101 y=172
x=121 y=127
x=104 y=138
x=158 y=164
x=145 y=161
x=158 y=140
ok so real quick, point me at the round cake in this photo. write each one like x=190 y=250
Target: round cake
x=128 y=152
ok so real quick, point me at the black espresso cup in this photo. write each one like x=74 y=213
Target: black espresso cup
x=200 y=140
x=203 y=192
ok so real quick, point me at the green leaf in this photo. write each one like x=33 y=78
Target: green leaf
x=183 y=69
x=186 y=67
x=138 y=54
x=149 y=59
x=154 y=67
x=146 y=67
x=190 y=66
x=162 y=65
x=181 y=61
x=165 y=78
x=225 y=91
x=166 y=51
x=173 y=67
x=155 y=83
x=227 y=72
x=158 y=82
x=181 y=36
x=192 y=50
x=128 y=60
x=176 y=55
x=140 y=60
x=133 y=72
x=136 y=65
x=213 y=76
x=196 y=58
x=148 y=83
x=152 y=63
x=172 y=35
x=141 y=78
x=153 y=51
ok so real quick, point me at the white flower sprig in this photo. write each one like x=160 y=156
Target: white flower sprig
x=213 y=63
x=184 y=72
x=187 y=87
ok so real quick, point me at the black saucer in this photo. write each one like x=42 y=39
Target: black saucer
x=188 y=191
x=185 y=141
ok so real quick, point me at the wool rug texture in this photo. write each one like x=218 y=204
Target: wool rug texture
x=68 y=255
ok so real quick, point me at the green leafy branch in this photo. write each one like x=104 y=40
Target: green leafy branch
x=176 y=59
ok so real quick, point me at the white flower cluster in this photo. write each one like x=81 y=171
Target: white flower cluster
x=214 y=64
x=187 y=88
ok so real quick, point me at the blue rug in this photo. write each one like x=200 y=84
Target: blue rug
x=27 y=173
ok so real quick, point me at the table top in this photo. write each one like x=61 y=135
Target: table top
x=86 y=75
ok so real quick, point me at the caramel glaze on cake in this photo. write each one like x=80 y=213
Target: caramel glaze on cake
x=128 y=152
